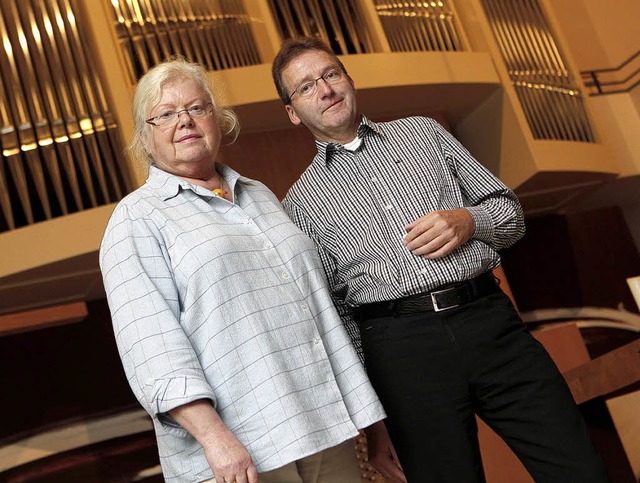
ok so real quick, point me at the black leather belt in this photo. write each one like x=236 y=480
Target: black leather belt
x=444 y=298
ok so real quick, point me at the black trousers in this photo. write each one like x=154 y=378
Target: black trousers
x=434 y=371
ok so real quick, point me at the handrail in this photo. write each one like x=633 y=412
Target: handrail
x=592 y=78
x=620 y=67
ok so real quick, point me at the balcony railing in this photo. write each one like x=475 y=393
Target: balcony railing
x=340 y=23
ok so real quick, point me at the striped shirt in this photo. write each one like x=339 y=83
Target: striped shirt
x=229 y=302
x=355 y=205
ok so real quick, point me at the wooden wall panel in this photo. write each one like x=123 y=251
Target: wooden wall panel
x=573 y=260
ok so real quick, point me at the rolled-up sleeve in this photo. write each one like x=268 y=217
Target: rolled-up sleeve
x=158 y=358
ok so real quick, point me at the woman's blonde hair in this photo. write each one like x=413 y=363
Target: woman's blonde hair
x=148 y=93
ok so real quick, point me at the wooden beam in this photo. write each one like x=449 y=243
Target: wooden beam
x=40 y=318
x=608 y=373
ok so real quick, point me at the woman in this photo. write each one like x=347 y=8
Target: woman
x=224 y=325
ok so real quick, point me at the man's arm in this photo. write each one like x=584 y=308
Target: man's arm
x=227 y=457
x=492 y=212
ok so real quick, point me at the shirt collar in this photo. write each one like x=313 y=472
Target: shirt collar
x=325 y=149
x=169 y=185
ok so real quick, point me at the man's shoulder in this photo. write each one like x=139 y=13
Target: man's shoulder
x=407 y=123
x=297 y=193
x=308 y=197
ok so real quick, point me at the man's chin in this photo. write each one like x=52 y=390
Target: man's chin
x=333 y=107
x=339 y=120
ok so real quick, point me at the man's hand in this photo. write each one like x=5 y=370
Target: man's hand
x=382 y=455
x=439 y=233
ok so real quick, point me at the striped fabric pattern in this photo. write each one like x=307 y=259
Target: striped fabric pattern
x=355 y=205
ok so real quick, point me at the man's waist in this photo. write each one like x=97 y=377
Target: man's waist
x=442 y=298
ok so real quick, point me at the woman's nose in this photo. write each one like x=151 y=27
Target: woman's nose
x=184 y=118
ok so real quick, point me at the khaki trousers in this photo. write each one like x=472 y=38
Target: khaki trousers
x=335 y=464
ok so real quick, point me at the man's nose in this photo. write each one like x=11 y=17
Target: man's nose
x=324 y=88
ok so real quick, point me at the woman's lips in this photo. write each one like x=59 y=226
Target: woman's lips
x=188 y=137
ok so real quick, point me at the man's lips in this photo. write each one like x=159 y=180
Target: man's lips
x=332 y=105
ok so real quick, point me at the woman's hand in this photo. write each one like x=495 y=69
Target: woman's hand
x=230 y=461
x=228 y=458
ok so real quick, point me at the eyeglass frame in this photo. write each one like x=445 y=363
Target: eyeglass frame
x=314 y=82
x=177 y=114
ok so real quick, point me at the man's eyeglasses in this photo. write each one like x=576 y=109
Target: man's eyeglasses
x=309 y=88
x=171 y=117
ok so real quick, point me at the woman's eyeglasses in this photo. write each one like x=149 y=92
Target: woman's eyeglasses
x=171 y=117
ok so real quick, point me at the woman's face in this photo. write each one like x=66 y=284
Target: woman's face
x=187 y=146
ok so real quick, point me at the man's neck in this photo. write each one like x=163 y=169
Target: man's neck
x=340 y=136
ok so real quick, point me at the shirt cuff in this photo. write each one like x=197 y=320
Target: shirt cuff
x=484 y=223
x=163 y=395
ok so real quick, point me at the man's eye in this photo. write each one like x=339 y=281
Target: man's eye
x=305 y=87
x=331 y=74
x=166 y=115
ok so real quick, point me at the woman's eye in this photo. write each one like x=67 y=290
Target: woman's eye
x=196 y=109
x=166 y=115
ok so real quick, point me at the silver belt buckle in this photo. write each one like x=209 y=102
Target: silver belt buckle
x=435 y=302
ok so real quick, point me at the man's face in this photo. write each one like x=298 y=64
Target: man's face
x=330 y=113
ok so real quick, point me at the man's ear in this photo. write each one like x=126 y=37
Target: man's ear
x=353 y=84
x=293 y=117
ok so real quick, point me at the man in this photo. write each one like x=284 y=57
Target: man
x=408 y=226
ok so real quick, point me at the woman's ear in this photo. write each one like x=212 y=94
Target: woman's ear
x=145 y=141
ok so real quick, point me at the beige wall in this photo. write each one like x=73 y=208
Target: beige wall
x=600 y=34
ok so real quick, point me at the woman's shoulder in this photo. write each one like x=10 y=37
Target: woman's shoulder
x=143 y=206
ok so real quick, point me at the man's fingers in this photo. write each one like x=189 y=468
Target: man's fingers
x=389 y=468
